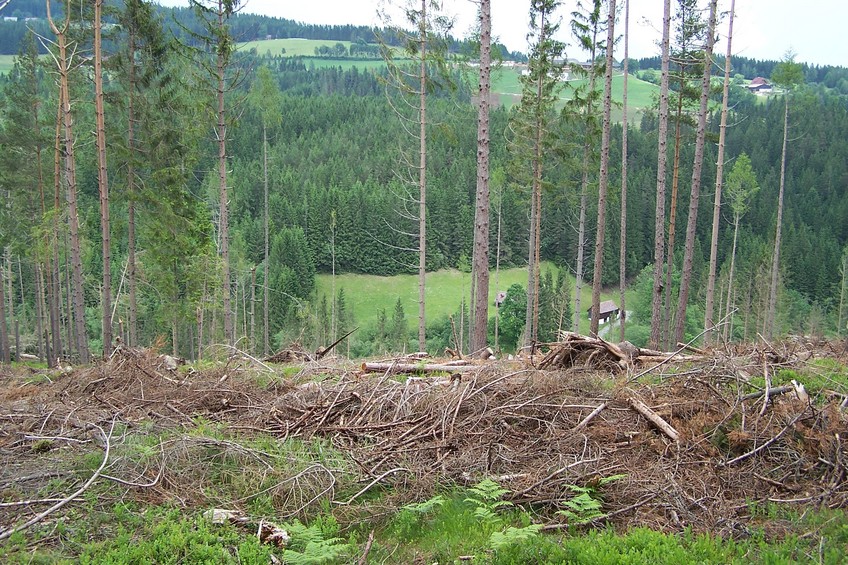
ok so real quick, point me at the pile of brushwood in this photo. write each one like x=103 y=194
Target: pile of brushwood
x=697 y=437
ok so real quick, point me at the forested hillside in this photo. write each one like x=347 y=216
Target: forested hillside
x=183 y=22
x=338 y=200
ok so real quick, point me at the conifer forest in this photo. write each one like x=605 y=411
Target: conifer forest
x=163 y=184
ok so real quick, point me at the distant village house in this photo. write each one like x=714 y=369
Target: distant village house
x=760 y=86
x=609 y=310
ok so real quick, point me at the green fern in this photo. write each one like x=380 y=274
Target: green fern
x=308 y=546
x=513 y=535
x=586 y=505
x=427 y=506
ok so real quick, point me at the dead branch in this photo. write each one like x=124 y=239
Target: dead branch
x=39 y=517
x=393 y=368
x=371 y=484
x=654 y=418
x=585 y=421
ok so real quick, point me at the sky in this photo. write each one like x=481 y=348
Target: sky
x=763 y=29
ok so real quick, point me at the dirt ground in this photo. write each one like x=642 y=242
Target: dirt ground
x=536 y=431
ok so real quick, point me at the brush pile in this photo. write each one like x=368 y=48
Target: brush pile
x=695 y=446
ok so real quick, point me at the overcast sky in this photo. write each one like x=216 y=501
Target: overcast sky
x=763 y=29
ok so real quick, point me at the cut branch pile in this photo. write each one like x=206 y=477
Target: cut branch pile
x=580 y=351
x=694 y=448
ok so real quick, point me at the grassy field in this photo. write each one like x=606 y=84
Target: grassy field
x=6 y=62
x=368 y=294
x=640 y=94
x=293 y=47
x=505 y=81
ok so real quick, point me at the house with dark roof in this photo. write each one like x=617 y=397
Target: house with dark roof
x=760 y=86
x=609 y=310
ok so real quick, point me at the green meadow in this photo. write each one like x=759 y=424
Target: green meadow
x=366 y=295
x=6 y=63
x=506 y=83
x=293 y=47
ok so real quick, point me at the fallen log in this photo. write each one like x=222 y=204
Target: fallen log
x=771 y=392
x=655 y=419
x=382 y=367
x=578 y=350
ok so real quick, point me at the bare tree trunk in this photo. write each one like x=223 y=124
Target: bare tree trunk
x=729 y=302
x=843 y=270
x=55 y=279
x=265 y=290
x=603 y=180
x=498 y=265
x=775 y=264
x=711 y=280
x=584 y=189
x=69 y=301
x=422 y=180
x=102 y=183
x=131 y=239
x=700 y=140
x=659 y=221
x=70 y=179
x=5 y=352
x=253 y=309
x=229 y=328
x=480 y=279
x=44 y=310
x=672 y=224
x=532 y=313
x=39 y=314
x=622 y=255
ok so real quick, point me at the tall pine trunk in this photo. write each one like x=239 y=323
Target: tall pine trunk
x=700 y=140
x=659 y=220
x=603 y=180
x=672 y=223
x=532 y=312
x=131 y=238
x=4 y=331
x=729 y=301
x=56 y=283
x=422 y=179
x=711 y=279
x=102 y=183
x=481 y=221
x=775 y=262
x=224 y=206
x=71 y=183
x=584 y=186
x=622 y=252
x=265 y=289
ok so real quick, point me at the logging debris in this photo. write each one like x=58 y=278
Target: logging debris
x=691 y=443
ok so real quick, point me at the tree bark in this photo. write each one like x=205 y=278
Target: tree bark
x=265 y=289
x=672 y=224
x=131 y=238
x=729 y=301
x=659 y=220
x=603 y=180
x=4 y=332
x=480 y=280
x=55 y=281
x=584 y=187
x=622 y=252
x=775 y=264
x=700 y=140
x=531 y=320
x=102 y=183
x=70 y=179
x=422 y=179
x=711 y=280
x=224 y=207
